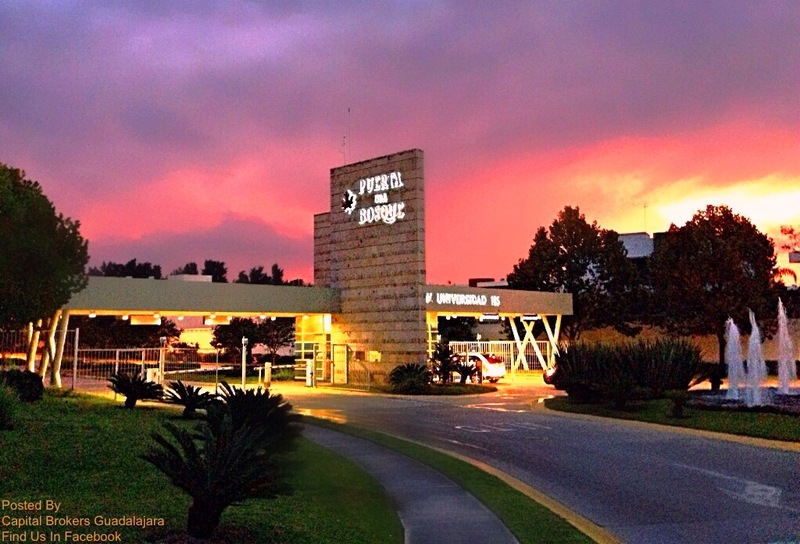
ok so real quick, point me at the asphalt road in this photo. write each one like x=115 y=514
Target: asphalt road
x=645 y=485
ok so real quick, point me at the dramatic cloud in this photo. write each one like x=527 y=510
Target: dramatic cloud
x=160 y=123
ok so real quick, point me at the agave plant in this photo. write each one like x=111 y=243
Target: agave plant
x=256 y=408
x=190 y=397
x=135 y=388
x=409 y=378
x=466 y=370
x=228 y=465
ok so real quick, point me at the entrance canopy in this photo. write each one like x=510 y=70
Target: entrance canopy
x=130 y=296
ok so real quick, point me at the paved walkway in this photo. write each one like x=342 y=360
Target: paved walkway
x=432 y=508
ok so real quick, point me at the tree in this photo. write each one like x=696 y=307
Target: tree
x=43 y=255
x=110 y=332
x=456 y=329
x=258 y=276
x=590 y=263
x=217 y=270
x=131 y=269
x=718 y=265
x=276 y=334
x=272 y=334
x=188 y=268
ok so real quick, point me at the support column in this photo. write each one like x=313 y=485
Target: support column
x=55 y=377
x=49 y=345
x=33 y=344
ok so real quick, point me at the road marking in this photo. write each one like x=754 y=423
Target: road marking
x=502 y=428
x=462 y=443
x=496 y=406
x=746 y=490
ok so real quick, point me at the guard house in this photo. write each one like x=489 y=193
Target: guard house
x=370 y=307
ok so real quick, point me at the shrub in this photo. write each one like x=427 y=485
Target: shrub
x=28 y=385
x=255 y=408
x=410 y=378
x=465 y=370
x=578 y=371
x=135 y=388
x=283 y=374
x=617 y=378
x=665 y=364
x=190 y=397
x=443 y=362
x=229 y=466
x=8 y=407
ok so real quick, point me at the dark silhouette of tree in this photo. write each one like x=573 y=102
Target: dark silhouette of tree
x=131 y=269
x=718 y=265
x=111 y=332
x=272 y=334
x=188 y=268
x=43 y=255
x=591 y=263
x=456 y=328
x=217 y=270
x=258 y=276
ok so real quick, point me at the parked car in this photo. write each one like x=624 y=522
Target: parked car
x=490 y=366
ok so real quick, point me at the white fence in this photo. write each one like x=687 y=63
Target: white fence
x=508 y=352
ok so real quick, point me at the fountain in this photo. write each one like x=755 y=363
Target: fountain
x=756 y=367
x=787 y=371
x=733 y=356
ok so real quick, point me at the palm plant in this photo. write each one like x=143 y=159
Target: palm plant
x=443 y=362
x=465 y=370
x=135 y=388
x=410 y=378
x=257 y=408
x=228 y=466
x=192 y=398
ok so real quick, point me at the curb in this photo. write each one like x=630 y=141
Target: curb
x=738 y=439
x=596 y=532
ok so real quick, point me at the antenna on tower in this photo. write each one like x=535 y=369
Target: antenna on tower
x=344 y=149
x=349 y=132
x=645 y=216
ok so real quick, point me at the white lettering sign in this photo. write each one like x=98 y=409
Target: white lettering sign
x=379 y=187
x=463 y=299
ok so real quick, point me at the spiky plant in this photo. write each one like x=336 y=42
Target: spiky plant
x=229 y=465
x=135 y=388
x=465 y=370
x=410 y=378
x=258 y=408
x=192 y=398
x=443 y=362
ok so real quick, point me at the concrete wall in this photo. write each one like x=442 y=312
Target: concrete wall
x=377 y=260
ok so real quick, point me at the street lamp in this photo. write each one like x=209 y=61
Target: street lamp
x=217 y=347
x=244 y=359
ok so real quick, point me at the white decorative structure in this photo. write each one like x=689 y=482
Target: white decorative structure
x=787 y=371
x=733 y=357
x=756 y=367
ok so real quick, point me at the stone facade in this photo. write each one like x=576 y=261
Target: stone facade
x=374 y=254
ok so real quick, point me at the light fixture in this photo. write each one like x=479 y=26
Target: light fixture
x=273 y=318
x=180 y=318
x=529 y=317
x=92 y=315
x=262 y=317
x=125 y=317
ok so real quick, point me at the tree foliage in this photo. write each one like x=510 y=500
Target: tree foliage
x=577 y=257
x=131 y=269
x=110 y=332
x=258 y=276
x=272 y=334
x=217 y=270
x=457 y=328
x=43 y=255
x=188 y=268
x=715 y=266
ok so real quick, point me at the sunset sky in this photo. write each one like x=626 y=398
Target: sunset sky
x=180 y=131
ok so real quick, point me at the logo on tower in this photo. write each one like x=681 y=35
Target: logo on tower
x=379 y=187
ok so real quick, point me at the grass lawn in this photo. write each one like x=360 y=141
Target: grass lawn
x=82 y=451
x=529 y=521
x=746 y=423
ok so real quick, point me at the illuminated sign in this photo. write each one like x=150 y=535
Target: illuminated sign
x=376 y=188
x=462 y=299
